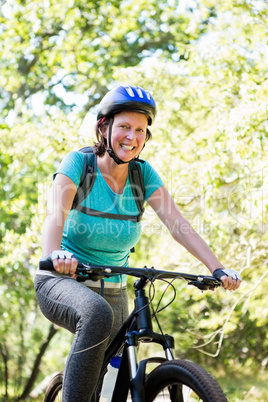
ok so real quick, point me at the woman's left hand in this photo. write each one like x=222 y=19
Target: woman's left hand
x=231 y=279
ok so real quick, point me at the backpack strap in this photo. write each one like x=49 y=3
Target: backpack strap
x=87 y=180
x=88 y=176
x=137 y=184
x=100 y=214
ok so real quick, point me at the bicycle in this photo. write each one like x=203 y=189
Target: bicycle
x=172 y=379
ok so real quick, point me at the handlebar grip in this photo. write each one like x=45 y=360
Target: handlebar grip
x=46 y=265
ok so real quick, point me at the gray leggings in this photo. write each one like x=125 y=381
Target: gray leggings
x=93 y=319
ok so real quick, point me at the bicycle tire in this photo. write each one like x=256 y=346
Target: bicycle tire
x=54 y=389
x=182 y=381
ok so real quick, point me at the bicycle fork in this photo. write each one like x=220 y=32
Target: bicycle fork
x=144 y=333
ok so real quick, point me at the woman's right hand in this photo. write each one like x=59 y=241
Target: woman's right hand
x=64 y=262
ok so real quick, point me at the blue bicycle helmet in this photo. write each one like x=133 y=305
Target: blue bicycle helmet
x=127 y=97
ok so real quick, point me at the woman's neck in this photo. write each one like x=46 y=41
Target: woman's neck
x=114 y=175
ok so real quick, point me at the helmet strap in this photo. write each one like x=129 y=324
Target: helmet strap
x=115 y=158
x=110 y=150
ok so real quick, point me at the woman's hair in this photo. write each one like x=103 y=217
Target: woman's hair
x=101 y=143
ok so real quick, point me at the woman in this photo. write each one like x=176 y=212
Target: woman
x=70 y=235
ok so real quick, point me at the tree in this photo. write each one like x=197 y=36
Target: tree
x=57 y=48
x=25 y=166
x=209 y=145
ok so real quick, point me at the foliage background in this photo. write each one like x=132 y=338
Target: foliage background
x=206 y=64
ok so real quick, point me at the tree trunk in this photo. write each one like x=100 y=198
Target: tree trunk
x=4 y=353
x=52 y=331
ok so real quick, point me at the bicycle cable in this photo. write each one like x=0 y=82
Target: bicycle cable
x=156 y=311
x=169 y=283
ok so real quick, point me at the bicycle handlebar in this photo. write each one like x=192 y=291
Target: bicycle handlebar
x=86 y=271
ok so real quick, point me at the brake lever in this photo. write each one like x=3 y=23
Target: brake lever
x=85 y=273
x=202 y=285
x=199 y=285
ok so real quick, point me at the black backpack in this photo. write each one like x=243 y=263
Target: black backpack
x=87 y=180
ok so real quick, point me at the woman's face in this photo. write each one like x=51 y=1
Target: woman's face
x=128 y=134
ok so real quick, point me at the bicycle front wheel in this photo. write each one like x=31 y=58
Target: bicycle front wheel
x=182 y=381
x=54 y=389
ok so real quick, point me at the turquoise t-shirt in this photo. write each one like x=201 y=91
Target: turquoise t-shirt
x=97 y=240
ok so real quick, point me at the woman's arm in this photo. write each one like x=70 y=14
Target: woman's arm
x=58 y=207
x=181 y=230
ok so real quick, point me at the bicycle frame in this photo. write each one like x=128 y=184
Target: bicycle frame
x=137 y=328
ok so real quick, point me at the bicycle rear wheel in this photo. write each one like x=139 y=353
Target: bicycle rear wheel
x=54 y=389
x=182 y=381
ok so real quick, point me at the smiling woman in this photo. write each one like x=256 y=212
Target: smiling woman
x=103 y=231
x=118 y=100
x=128 y=135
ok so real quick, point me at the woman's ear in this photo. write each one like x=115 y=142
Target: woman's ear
x=104 y=126
x=104 y=131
